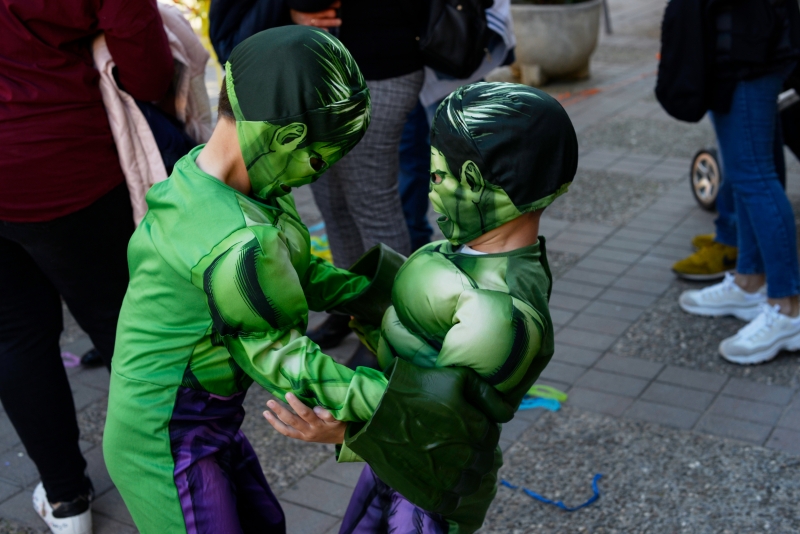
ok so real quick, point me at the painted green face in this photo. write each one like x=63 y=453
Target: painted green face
x=469 y=205
x=275 y=160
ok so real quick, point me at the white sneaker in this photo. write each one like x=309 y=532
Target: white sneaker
x=725 y=298
x=76 y=524
x=762 y=339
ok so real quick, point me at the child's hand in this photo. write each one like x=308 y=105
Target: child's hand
x=317 y=425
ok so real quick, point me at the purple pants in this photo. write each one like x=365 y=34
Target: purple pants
x=220 y=483
x=375 y=508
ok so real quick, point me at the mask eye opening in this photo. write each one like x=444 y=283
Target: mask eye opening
x=436 y=179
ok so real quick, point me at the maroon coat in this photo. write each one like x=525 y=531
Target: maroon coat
x=56 y=151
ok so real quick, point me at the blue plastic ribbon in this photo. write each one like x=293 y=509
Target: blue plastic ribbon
x=317 y=227
x=548 y=404
x=560 y=504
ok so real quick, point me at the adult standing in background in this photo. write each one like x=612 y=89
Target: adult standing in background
x=65 y=216
x=358 y=199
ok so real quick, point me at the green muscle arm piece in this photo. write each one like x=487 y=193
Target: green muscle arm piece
x=257 y=305
x=326 y=286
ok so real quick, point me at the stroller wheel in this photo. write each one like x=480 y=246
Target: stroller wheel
x=705 y=177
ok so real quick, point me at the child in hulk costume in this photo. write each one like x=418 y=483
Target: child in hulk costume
x=500 y=153
x=221 y=284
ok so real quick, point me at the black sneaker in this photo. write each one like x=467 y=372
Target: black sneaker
x=93 y=358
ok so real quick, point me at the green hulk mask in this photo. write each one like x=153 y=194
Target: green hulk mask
x=485 y=169
x=291 y=133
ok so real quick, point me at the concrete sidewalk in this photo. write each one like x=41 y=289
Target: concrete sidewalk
x=686 y=442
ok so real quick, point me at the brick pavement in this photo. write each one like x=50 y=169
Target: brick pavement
x=619 y=273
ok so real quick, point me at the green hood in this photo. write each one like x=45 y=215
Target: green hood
x=499 y=150
x=300 y=104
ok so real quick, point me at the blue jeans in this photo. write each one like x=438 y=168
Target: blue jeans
x=766 y=233
x=726 y=210
x=414 y=176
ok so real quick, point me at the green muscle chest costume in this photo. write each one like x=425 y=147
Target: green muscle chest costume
x=221 y=284
x=513 y=150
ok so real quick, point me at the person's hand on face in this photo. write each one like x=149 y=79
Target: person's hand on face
x=321 y=19
x=316 y=426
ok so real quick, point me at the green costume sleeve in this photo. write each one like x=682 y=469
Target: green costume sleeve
x=258 y=306
x=326 y=286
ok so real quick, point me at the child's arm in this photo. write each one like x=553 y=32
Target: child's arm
x=258 y=307
x=316 y=426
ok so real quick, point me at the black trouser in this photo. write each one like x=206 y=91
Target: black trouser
x=81 y=257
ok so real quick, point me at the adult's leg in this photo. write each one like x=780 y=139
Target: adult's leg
x=84 y=255
x=414 y=177
x=343 y=233
x=34 y=388
x=767 y=234
x=725 y=223
x=369 y=172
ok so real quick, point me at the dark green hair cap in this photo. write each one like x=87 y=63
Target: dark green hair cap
x=520 y=138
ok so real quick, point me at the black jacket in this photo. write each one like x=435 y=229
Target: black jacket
x=381 y=34
x=707 y=46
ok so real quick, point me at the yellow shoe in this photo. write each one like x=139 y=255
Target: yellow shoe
x=708 y=263
x=702 y=241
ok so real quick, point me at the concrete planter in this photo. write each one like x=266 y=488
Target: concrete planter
x=555 y=41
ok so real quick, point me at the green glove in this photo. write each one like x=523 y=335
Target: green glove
x=433 y=435
x=380 y=264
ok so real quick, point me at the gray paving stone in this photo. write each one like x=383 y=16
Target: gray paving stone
x=562 y=372
x=111 y=505
x=626 y=244
x=318 y=494
x=568 y=247
x=593 y=264
x=106 y=525
x=626 y=386
x=533 y=415
x=567 y=302
x=85 y=395
x=585 y=339
x=629 y=366
x=648 y=225
x=597 y=401
x=514 y=428
x=301 y=520
x=657 y=261
x=97 y=378
x=650 y=287
x=334 y=529
x=593 y=228
x=692 y=379
x=786 y=440
x=8 y=490
x=615 y=310
x=757 y=412
x=575 y=355
x=8 y=436
x=504 y=444
x=346 y=473
x=573 y=236
x=663 y=414
x=560 y=317
x=97 y=470
x=19 y=508
x=635 y=235
x=791 y=417
x=734 y=428
x=17 y=468
x=690 y=399
x=660 y=216
x=589 y=277
x=631 y=298
x=747 y=389
x=648 y=272
x=670 y=251
x=600 y=324
x=577 y=289
x=614 y=255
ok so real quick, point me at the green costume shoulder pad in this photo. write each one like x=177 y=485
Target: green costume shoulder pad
x=251 y=283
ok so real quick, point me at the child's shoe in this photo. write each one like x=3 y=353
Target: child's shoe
x=725 y=298
x=709 y=263
x=702 y=241
x=74 y=517
x=763 y=338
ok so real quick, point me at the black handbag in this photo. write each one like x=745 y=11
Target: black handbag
x=454 y=39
